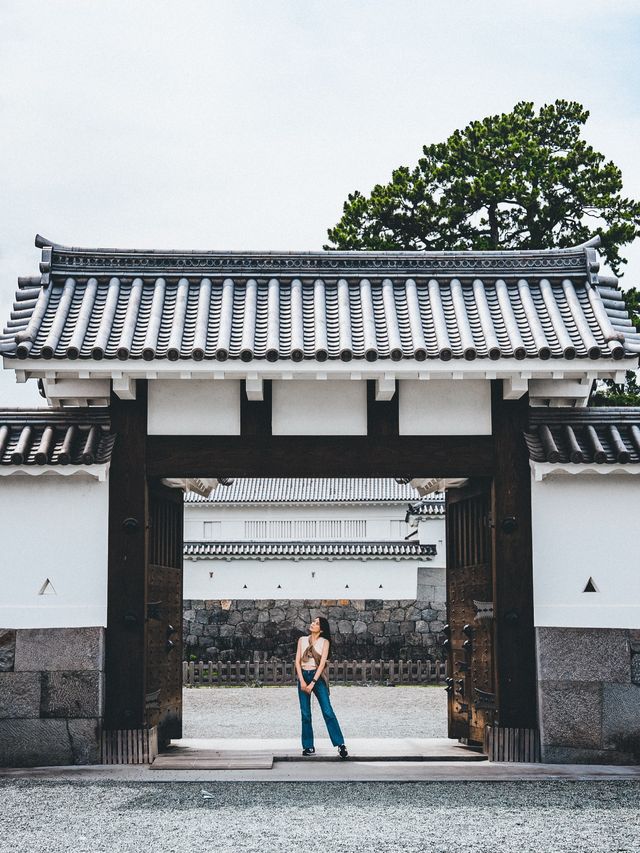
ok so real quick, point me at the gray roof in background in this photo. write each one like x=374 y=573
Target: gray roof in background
x=600 y=435
x=41 y=437
x=315 y=490
x=116 y=304
x=310 y=550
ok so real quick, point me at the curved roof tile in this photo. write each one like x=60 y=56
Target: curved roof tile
x=114 y=304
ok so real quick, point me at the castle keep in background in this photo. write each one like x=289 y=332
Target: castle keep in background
x=263 y=557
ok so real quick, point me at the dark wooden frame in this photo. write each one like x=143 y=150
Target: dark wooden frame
x=501 y=456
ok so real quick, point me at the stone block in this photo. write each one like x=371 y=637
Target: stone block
x=191 y=640
x=202 y=617
x=422 y=627
x=429 y=614
x=227 y=630
x=583 y=654
x=211 y=631
x=576 y=755
x=277 y=614
x=188 y=615
x=257 y=630
x=235 y=618
x=571 y=714
x=359 y=627
x=382 y=615
x=413 y=612
x=72 y=694
x=397 y=614
x=373 y=603
x=7 y=649
x=245 y=604
x=243 y=629
x=407 y=627
x=59 y=649
x=345 y=627
x=391 y=629
x=263 y=616
x=33 y=743
x=635 y=668
x=406 y=602
x=621 y=718
x=376 y=629
x=265 y=603
x=436 y=626
x=20 y=694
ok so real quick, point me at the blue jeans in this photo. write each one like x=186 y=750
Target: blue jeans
x=321 y=692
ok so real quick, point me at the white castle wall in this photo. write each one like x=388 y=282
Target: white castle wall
x=53 y=527
x=586 y=526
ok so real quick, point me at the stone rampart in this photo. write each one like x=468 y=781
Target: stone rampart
x=368 y=629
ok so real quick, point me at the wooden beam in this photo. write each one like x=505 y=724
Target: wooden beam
x=126 y=585
x=255 y=412
x=385 y=388
x=254 y=387
x=319 y=456
x=125 y=388
x=514 y=388
x=513 y=563
x=383 y=413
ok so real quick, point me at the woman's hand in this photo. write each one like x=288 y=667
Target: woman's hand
x=308 y=688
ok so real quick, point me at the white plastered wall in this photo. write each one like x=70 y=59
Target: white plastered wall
x=585 y=526
x=319 y=407
x=55 y=528
x=194 y=407
x=445 y=407
x=383 y=579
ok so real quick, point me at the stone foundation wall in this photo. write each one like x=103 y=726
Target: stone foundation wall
x=51 y=696
x=589 y=695
x=361 y=629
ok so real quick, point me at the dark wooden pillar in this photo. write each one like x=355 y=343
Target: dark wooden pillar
x=128 y=516
x=513 y=563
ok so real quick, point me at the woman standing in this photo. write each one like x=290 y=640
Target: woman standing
x=311 y=669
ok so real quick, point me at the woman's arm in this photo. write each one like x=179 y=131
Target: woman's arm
x=301 y=680
x=323 y=661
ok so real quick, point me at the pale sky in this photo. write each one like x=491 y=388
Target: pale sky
x=243 y=124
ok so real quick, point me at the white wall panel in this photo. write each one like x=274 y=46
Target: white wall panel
x=586 y=526
x=319 y=407
x=53 y=527
x=445 y=407
x=301 y=579
x=194 y=407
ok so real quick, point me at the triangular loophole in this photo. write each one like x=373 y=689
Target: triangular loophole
x=590 y=587
x=47 y=588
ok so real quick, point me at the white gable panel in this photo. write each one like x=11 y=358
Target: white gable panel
x=196 y=407
x=319 y=407
x=445 y=407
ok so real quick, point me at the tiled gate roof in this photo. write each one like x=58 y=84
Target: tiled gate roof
x=39 y=437
x=114 y=304
x=600 y=435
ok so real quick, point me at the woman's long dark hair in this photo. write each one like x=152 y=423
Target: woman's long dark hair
x=325 y=631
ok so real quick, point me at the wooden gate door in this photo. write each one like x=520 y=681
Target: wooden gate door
x=470 y=593
x=163 y=634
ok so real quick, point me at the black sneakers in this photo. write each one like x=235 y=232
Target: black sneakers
x=309 y=751
x=342 y=751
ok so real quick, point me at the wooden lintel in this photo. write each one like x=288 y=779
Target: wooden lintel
x=319 y=456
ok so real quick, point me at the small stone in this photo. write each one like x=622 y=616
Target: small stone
x=191 y=640
x=7 y=649
x=188 y=615
x=397 y=614
x=413 y=613
x=235 y=618
x=376 y=629
x=345 y=627
x=227 y=630
x=429 y=614
x=359 y=627
x=277 y=614
x=436 y=627
x=202 y=616
x=422 y=627
x=19 y=694
x=257 y=630
x=407 y=627
x=382 y=615
x=263 y=616
x=391 y=629
x=373 y=603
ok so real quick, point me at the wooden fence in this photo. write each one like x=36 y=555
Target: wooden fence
x=203 y=673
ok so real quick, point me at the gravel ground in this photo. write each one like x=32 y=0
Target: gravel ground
x=274 y=712
x=527 y=817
